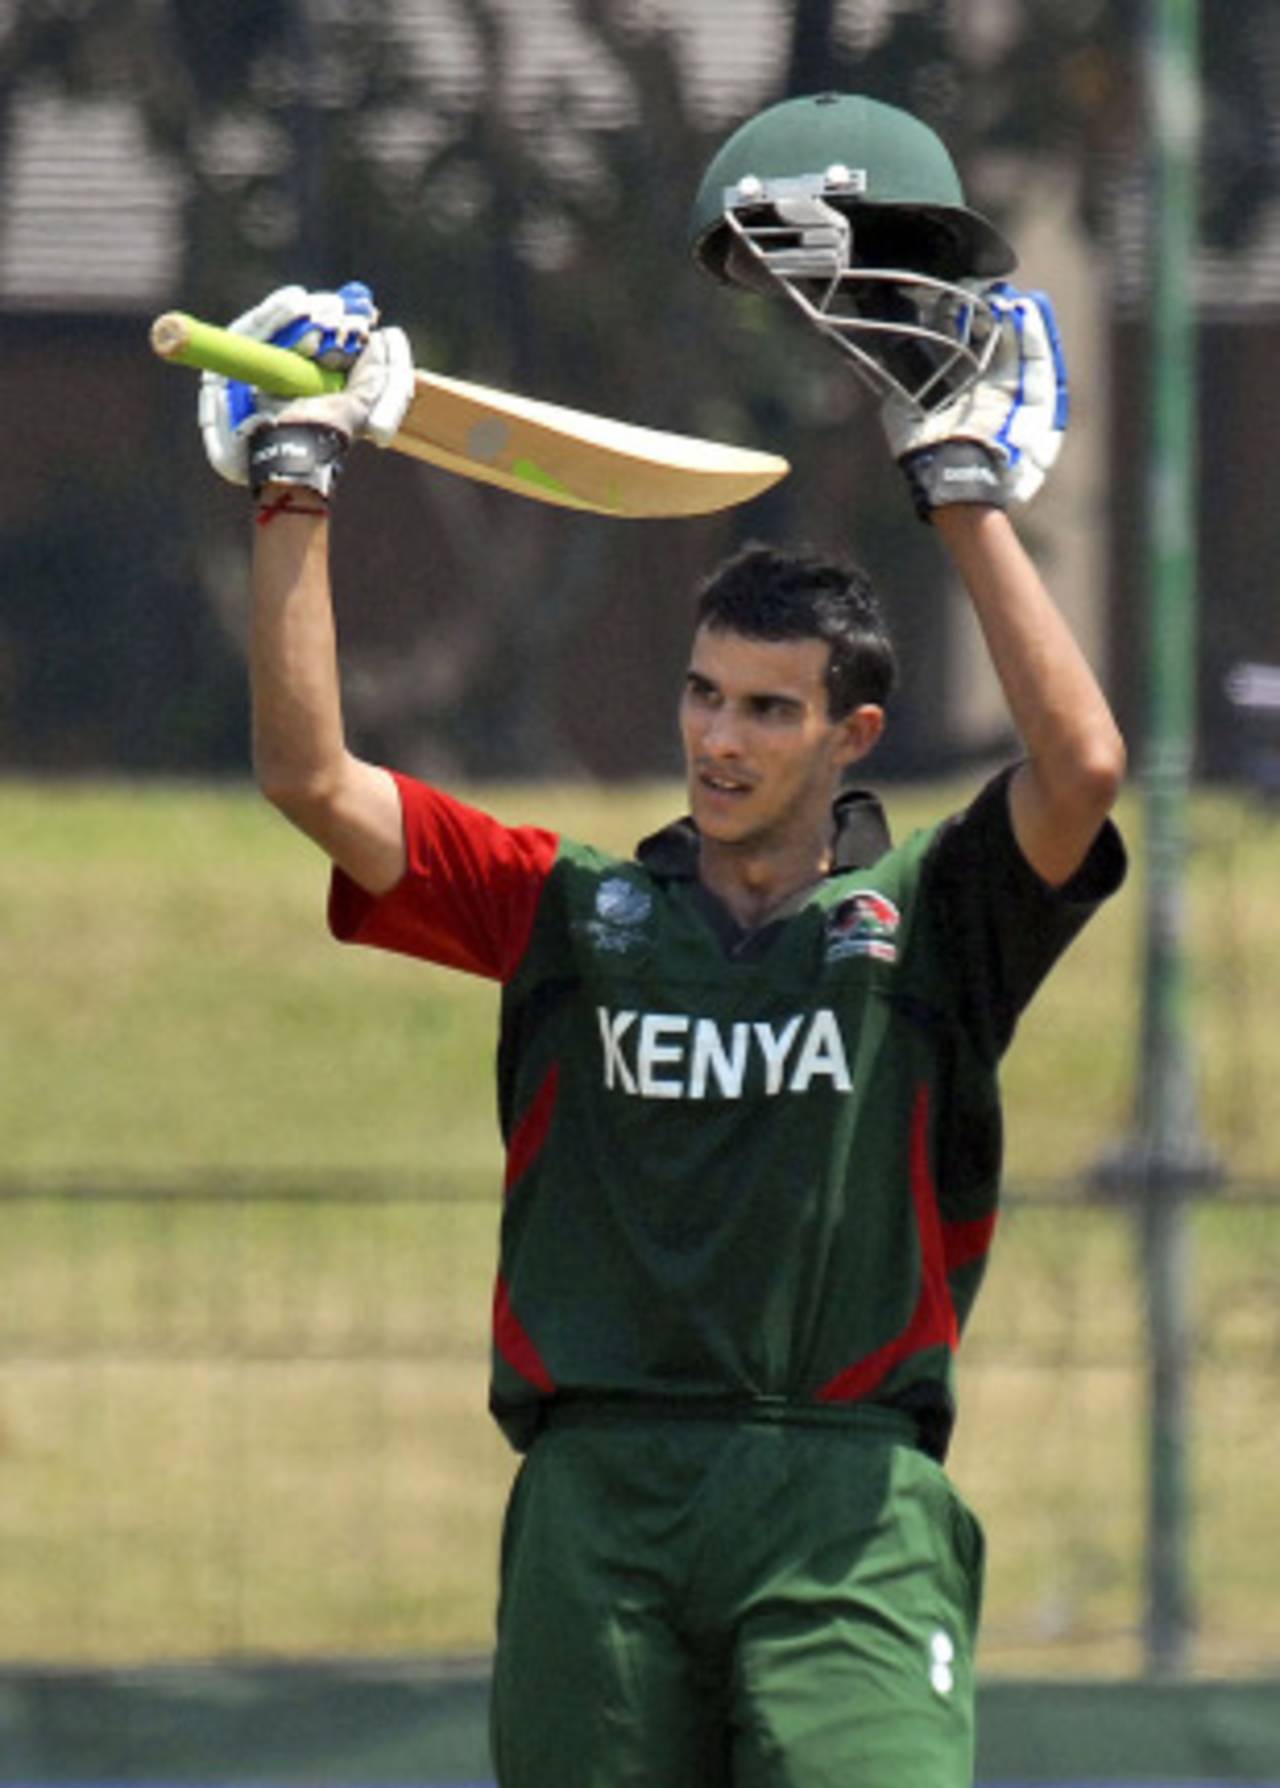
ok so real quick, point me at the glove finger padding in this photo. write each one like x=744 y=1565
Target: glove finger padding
x=333 y=327
x=997 y=441
x=1037 y=420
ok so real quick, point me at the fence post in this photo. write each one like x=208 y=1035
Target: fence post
x=1168 y=1160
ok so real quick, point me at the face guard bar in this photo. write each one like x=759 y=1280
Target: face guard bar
x=909 y=335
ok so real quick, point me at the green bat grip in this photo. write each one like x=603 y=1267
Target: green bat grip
x=186 y=341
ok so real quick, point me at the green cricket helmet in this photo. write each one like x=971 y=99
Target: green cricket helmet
x=854 y=210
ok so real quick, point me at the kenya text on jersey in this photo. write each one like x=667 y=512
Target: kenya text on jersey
x=670 y=1055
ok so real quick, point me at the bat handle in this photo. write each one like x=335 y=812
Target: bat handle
x=186 y=341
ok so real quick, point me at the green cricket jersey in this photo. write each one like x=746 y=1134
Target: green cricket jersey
x=740 y=1165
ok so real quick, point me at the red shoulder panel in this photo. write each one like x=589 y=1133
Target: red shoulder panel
x=468 y=896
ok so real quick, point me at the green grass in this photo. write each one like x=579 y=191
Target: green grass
x=173 y=1000
x=243 y=1423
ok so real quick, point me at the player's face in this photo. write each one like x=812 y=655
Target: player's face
x=763 y=756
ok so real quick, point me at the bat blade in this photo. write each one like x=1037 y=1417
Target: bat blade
x=539 y=450
x=569 y=456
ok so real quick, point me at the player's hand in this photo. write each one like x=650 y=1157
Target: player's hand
x=339 y=329
x=372 y=403
x=997 y=441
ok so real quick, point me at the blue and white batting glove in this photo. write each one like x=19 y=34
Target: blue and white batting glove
x=339 y=329
x=996 y=443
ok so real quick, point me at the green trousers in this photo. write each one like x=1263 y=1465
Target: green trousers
x=730 y=1603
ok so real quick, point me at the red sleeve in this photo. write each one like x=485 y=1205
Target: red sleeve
x=468 y=896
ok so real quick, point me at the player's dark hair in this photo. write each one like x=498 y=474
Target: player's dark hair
x=765 y=594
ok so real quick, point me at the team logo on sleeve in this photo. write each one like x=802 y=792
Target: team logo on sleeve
x=866 y=924
x=621 y=916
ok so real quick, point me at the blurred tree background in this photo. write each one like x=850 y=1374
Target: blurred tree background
x=514 y=181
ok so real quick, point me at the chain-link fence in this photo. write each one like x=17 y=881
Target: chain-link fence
x=249 y=1418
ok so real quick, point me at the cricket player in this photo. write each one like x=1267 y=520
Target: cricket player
x=747 y=1077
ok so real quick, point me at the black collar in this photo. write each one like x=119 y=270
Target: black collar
x=861 y=837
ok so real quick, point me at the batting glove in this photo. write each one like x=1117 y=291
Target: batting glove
x=996 y=442
x=338 y=329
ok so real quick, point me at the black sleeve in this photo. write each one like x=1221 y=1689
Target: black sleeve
x=1001 y=926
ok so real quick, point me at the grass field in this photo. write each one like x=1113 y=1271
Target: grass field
x=231 y=1421
x=173 y=1000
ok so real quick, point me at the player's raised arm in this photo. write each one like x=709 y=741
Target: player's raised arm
x=300 y=759
x=290 y=456
x=1075 y=755
x=964 y=462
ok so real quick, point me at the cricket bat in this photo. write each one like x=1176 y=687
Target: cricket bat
x=539 y=450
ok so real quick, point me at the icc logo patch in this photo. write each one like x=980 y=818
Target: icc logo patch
x=622 y=912
x=619 y=902
x=866 y=924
